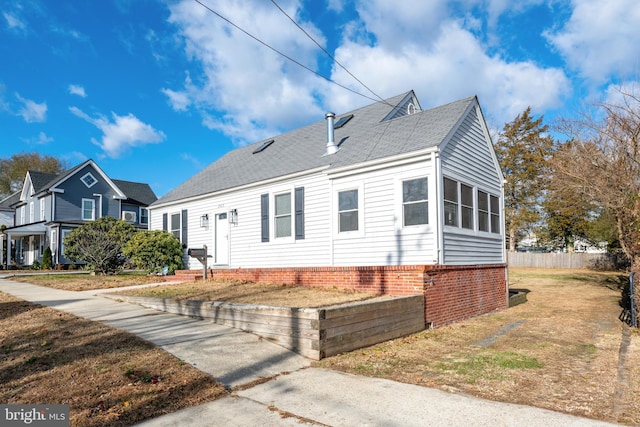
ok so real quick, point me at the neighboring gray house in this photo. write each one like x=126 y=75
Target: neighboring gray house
x=50 y=206
x=360 y=194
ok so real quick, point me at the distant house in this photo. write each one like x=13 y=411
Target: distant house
x=387 y=197
x=50 y=206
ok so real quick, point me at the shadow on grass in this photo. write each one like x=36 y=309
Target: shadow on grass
x=107 y=376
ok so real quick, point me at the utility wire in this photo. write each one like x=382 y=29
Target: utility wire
x=326 y=52
x=282 y=54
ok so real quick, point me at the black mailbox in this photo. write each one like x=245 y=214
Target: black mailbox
x=197 y=252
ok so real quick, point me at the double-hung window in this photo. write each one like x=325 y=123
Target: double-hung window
x=42 y=209
x=415 y=207
x=175 y=225
x=282 y=215
x=458 y=204
x=144 y=216
x=488 y=212
x=348 y=210
x=483 y=211
x=466 y=206
x=450 y=202
x=494 y=204
x=88 y=209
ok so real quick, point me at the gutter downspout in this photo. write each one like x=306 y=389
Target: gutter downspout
x=439 y=207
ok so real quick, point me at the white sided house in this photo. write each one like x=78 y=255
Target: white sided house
x=387 y=198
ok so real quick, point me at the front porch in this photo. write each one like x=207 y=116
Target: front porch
x=23 y=245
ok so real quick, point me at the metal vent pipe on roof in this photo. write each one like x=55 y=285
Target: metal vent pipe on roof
x=332 y=148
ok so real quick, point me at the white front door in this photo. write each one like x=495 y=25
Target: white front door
x=221 y=255
x=31 y=251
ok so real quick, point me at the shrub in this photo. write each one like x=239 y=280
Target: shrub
x=154 y=250
x=47 y=259
x=99 y=244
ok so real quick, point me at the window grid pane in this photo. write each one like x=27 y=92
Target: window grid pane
x=348 y=221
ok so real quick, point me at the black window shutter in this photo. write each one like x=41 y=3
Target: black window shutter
x=299 y=205
x=165 y=221
x=264 y=215
x=184 y=227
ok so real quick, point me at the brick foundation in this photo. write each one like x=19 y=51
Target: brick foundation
x=451 y=293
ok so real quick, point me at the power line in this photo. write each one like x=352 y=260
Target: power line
x=326 y=52
x=280 y=53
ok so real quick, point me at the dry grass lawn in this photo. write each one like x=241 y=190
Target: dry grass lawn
x=108 y=377
x=564 y=350
x=560 y=350
x=272 y=294
x=86 y=282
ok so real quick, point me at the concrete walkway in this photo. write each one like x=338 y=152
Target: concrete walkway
x=295 y=394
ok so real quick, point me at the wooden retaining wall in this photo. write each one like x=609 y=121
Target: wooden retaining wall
x=312 y=332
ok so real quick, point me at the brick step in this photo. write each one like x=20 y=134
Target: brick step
x=188 y=275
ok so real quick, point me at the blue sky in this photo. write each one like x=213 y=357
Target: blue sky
x=156 y=90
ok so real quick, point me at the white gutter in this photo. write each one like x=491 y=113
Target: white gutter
x=241 y=187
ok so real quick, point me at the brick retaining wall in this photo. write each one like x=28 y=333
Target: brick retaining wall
x=451 y=293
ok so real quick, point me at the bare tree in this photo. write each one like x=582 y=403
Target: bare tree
x=601 y=163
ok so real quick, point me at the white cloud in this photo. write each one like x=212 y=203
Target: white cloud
x=248 y=92
x=122 y=133
x=31 y=111
x=179 y=100
x=252 y=87
x=601 y=39
x=77 y=90
x=14 y=22
x=454 y=65
x=43 y=139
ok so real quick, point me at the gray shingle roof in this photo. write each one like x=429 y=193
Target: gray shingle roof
x=41 y=179
x=7 y=202
x=136 y=191
x=365 y=137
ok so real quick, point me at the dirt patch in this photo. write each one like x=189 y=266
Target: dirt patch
x=108 y=377
x=86 y=282
x=272 y=294
x=560 y=350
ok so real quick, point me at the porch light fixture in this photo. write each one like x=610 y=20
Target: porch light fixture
x=233 y=216
x=204 y=221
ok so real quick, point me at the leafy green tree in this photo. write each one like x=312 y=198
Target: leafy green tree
x=153 y=250
x=99 y=244
x=523 y=150
x=14 y=169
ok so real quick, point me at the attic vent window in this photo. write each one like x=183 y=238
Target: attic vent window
x=411 y=109
x=343 y=121
x=89 y=180
x=263 y=146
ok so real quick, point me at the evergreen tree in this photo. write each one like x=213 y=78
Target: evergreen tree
x=523 y=150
